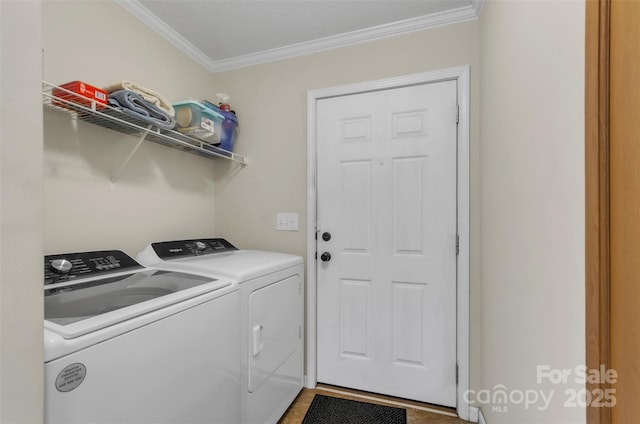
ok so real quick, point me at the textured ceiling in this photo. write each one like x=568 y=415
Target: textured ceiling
x=237 y=32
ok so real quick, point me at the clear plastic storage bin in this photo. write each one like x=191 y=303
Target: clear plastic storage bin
x=197 y=120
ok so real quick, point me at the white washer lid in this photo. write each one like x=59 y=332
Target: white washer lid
x=88 y=305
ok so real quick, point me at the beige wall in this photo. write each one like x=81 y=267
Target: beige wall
x=21 y=300
x=163 y=193
x=271 y=101
x=527 y=175
x=526 y=167
x=532 y=202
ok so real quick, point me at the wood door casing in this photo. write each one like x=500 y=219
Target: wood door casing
x=624 y=127
x=597 y=195
x=612 y=153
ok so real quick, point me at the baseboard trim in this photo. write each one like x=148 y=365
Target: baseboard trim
x=481 y=418
x=476 y=415
x=473 y=414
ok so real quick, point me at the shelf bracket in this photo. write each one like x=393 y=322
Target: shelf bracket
x=118 y=172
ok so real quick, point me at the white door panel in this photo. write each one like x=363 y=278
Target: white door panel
x=387 y=195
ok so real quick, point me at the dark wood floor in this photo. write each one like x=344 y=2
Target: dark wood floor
x=417 y=413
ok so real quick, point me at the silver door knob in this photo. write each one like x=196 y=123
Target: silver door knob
x=325 y=257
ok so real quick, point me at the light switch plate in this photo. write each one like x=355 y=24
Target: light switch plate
x=287 y=221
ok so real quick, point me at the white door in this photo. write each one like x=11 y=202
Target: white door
x=386 y=180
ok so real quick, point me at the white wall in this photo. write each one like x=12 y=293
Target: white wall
x=532 y=202
x=21 y=310
x=163 y=193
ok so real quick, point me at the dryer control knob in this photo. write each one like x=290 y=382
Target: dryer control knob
x=201 y=245
x=61 y=266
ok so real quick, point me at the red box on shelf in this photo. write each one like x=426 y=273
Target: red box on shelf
x=82 y=91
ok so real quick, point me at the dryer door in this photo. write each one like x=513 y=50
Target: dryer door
x=275 y=315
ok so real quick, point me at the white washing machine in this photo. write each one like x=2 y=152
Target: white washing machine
x=270 y=315
x=128 y=344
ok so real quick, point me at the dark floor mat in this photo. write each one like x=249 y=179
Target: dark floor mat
x=332 y=410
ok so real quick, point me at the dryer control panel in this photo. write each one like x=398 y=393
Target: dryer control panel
x=69 y=266
x=184 y=248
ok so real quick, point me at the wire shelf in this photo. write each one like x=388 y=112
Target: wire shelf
x=61 y=101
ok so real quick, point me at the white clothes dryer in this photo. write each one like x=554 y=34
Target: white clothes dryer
x=126 y=344
x=270 y=315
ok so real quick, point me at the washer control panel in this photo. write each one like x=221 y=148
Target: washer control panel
x=184 y=248
x=70 y=266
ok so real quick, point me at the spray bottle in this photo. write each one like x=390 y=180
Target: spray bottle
x=223 y=101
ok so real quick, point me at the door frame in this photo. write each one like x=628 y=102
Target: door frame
x=461 y=75
x=597 y=213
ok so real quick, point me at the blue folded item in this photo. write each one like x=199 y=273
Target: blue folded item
x=135 y=106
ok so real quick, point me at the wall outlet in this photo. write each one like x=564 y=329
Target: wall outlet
x=287 y=221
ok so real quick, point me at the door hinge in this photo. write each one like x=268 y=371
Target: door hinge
x=457 y=373
x=457 y=114
x=457 y=244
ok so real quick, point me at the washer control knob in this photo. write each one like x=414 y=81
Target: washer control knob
x=201 y=245
x=61 y=266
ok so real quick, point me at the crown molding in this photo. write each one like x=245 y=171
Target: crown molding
x=477 y=6
x=351 y=38
x=342 y=40
x=158 y=25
